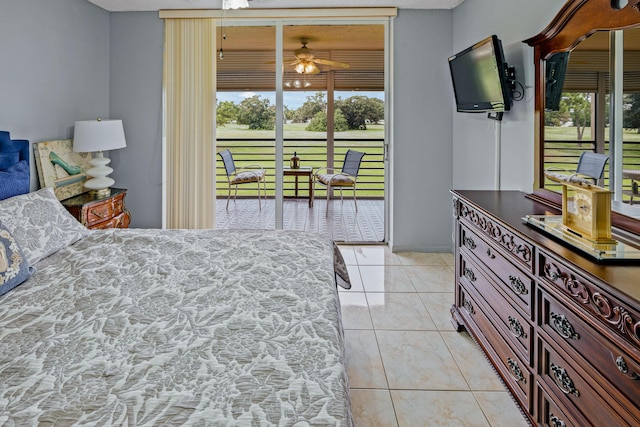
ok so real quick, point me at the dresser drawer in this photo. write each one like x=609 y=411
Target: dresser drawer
x=514 y=326
x=101 y=211
x=520 y=251
x=515 y=283
x=120 y=221
x=552 y=415
x=588 y=297
x=615 y=365
x=573 y=389
x=512 y=369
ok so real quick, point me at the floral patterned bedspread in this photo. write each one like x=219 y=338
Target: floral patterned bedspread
x=177 y=327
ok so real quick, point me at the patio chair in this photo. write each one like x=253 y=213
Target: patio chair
x=592 y=165
x=590 y=169
x=246 y=175
x=345 y=178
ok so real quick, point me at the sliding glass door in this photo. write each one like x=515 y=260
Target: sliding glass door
x=296 y=93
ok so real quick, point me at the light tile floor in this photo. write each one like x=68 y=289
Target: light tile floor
x=407 y=365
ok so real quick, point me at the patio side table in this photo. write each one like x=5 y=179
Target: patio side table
x=301 y=171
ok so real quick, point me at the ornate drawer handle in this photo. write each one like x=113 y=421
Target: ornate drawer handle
x=521 y=249
x=468 y=273
x=469 y=306
x=555 y=275
x=490 y=255
x=98 y=213
x=563 y=381
x=517 y=285
x=515 y=370
x=563 y=326
x=516 y=328
x=624 y=369
x=469 y=243
x=555 y=421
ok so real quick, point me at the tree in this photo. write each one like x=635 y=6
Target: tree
x=360 y=110
x=631 y=113
x=558 y=118
x=319 y=122
x=579 y=107
x=340 y=123
x=310 y=108
x=226 y=112
x=257 y=113
x=288 y=113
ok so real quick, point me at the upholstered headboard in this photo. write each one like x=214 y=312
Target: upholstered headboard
x=14 y=166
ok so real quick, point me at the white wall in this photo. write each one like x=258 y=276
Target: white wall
x=474 y=135
x=54 y=68
x=422 y=131
x=137 y=40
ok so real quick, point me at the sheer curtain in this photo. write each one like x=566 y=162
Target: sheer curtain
x=189 y=123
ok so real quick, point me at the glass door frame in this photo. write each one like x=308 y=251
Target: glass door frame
x=279 y=24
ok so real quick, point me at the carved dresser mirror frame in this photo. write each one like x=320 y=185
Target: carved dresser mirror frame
x=577 y=20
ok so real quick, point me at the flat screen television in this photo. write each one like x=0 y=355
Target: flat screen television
x=481 y=78
x=555 y=70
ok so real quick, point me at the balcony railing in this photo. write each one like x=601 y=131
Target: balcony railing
x=312 y=152
x=564 y=155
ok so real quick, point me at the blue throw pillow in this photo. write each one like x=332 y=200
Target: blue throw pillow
x=15 y=180
x=14 y=268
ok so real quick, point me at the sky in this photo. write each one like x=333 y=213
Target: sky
x=292 y=99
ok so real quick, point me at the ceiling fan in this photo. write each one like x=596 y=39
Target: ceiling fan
x=306 y=61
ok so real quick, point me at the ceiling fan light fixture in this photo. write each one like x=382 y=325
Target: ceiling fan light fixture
x=305 y=67
x=306 y=60
x=297 y=84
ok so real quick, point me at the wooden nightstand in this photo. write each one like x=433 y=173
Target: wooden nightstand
x=96 y=212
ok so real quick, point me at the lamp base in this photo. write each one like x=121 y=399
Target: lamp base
x=99 y=182
x=104 y=192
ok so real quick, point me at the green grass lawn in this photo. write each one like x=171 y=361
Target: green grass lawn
x=569 y=133
x=562 y=154
x=296 y=130
x=261 y=150
x=562 y=150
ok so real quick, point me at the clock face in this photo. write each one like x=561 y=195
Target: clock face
x=580 y=210
x=583 y=206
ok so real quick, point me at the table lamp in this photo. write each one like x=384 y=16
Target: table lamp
x=98 y=136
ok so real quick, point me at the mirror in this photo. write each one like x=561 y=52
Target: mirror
x=581 y=37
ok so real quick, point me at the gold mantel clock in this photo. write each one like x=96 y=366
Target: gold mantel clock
x=586 y=210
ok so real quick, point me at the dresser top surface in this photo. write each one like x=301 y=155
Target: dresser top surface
x=509 y=207
x=84 y=198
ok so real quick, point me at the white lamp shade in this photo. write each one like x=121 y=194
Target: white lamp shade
x=98 y=135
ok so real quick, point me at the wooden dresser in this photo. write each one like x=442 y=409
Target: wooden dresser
x=100 y=212
x=562 y=331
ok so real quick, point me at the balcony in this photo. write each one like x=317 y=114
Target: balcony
x=343 y=222
x=312 y=152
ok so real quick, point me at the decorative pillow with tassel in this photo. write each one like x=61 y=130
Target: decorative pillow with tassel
x=14 y=267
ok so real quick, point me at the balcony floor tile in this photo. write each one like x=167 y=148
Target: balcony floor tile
x=343 y=224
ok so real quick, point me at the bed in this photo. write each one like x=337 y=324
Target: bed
x=167 y=327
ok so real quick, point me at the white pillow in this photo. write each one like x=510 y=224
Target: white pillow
x=40 y=224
